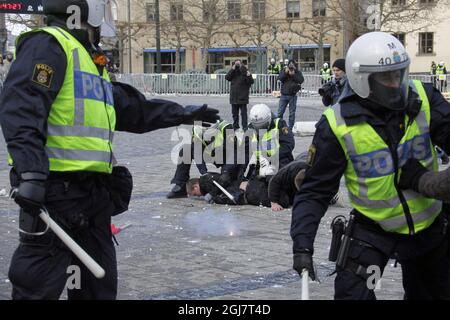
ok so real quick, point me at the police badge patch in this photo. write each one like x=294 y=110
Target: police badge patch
x=311 y=155
x=285 y=130
x=43 y=74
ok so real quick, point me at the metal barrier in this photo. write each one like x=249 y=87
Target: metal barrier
x=210 y=84
x=216 y=84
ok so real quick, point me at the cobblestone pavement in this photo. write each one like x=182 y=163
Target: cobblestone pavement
x=187 y=249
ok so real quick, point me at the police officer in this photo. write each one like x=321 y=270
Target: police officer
x=377 y=125
x=325 y=72
x=273 y=70
x=210 y=143
x=272 y=142
x=433 y=72
x=441 y=76
x=58 y=113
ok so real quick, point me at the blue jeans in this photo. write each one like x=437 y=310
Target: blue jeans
x=284 y=101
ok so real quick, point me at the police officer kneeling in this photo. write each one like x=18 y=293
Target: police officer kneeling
x=58 y=113
x=377 y=125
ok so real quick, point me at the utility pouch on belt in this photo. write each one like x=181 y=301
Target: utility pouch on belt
x=337 y=230
x=121 y=186
x=346 y=243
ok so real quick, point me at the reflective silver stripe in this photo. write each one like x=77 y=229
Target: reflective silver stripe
x=363 y=200
x=59 y=30
x=337 y=114
x=383 y=68
x=400 y=221
x=78 y=131
x=80 y=155
x=78 y=119
x=76 y=59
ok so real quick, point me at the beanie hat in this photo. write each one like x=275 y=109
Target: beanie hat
x=340 y=64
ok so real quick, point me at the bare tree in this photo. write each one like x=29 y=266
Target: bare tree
x=405 y=16
x=174 y=33
x=206 y=20
x=322 y=25
x=260 y=30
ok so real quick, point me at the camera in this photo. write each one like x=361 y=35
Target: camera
x=327 y=88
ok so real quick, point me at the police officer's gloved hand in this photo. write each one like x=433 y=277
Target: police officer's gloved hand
x=200 y=113
x=30 y=194
x=224 y=179
x=412 y=171
x=303 y=260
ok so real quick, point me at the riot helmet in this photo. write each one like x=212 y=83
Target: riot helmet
x=260 y=116
x=377 y=66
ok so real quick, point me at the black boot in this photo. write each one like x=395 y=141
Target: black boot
x=177 y=192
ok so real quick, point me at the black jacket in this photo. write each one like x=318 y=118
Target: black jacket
x=333 y=91
x=240 y=85
x=323 y=178
x=282 y=188
x=25 y=104
x=290 y=84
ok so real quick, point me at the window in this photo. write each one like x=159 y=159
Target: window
x=398 y=2
x=167 y=62
x=426 y=43
x=307 y=58
x=209 y=10
x=176 y=11
x=319 y=8
x=400 y=37
x=150 y=10
x=234 y=9
x=293 y=9
x=259 y=9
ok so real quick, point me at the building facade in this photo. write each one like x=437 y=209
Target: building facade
x=207 y=36
x=252 y=30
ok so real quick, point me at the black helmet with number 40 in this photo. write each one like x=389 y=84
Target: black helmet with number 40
x=377 y=66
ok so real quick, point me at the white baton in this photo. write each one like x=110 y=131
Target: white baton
x=86 y=259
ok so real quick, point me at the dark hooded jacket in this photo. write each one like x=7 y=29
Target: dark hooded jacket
x=240 y=85
x=291 y=84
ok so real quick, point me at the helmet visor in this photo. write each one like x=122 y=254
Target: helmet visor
x=390 y=88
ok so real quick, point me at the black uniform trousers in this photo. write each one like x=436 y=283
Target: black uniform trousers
x=235 y=112
x=184 y=167
x=39 y=266
x=423 y=257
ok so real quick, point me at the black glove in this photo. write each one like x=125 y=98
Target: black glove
x=224 y=179
x=327 y=89
x=200 y=113
x=412 y=170
x=303 y=260
x=30 y=194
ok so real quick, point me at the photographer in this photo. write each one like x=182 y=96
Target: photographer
x=291 y=79
x=331 y=91
x=241 y=81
